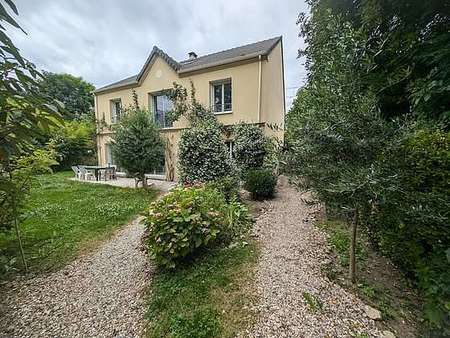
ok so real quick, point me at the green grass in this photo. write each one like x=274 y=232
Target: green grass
x=64 y=217
x=205 y=298
x=340 y=241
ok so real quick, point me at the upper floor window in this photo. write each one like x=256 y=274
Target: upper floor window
x=116 y=109
x=161 y=106
x=221 y=96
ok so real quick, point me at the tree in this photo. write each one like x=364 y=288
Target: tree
x=75 y=93
x=335 y=131
x=203 y=155
x=25 y=114
x=74 y=143
x=398 y=167
x=137 y=145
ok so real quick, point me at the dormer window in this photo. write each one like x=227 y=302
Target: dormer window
x=116 y=108
x=221 y=96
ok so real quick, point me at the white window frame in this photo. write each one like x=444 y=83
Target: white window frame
x=230 y=147
x=113 y=108
x=211 y=96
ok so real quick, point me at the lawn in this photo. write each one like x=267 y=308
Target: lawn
x=206 y=298
x=64 y=218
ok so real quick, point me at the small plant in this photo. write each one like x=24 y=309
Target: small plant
x=239 y=220
x=184 y=221
x=260 y=183
x=312 y=301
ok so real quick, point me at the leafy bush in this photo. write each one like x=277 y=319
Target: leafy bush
x=249 y=146
x=260 y=183
x=239 y=221
x=203 y=156
x=137 y=144
x=183 y=221
x=411 y=225
x=190 y=218
x=228 y=186
x=75 y=143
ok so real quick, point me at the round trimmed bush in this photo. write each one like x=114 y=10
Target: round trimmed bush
x=260 y=183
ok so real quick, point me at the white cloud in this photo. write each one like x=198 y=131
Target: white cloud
x=106 y=40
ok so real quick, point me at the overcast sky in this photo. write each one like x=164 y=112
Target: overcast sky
x=106 y=40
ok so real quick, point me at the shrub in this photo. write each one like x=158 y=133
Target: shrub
x=260 y=183
x=249 y=146
x=411 y=225
x=190 y=218
x=203 y=156
x=228 y=186
x=184 y=221
x=137 y=144
x=74 y=143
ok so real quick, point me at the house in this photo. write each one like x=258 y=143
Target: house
x=245 y=83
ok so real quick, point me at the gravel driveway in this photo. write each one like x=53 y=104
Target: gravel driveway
x=288 y=273
x=98 y=295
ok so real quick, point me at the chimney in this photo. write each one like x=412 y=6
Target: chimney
x=192 y=55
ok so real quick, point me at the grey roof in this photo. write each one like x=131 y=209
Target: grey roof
x=236 y=54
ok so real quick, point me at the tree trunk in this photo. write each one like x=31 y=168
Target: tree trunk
x=19 y=237
x=144 y=181
x=352 y=265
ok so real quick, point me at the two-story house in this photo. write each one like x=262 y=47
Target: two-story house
x=242 y=84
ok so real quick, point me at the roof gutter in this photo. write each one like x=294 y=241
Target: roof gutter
x=259 y=87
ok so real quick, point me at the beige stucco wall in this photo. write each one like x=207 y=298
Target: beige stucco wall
x=245 y=95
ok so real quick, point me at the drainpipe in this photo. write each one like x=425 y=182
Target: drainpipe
x=259 y=88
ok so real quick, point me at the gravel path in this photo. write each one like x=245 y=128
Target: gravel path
x=293 y=250
x=98 y=295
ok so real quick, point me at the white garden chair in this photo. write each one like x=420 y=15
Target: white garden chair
x=77 y=172
x=87 y=174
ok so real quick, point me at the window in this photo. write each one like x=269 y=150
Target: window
x=109 y=155
x=230 y=148
x=116 y=108
x=221 y=96
x=161 y=106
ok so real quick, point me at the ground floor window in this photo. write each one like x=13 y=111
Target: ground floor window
x=230 y=147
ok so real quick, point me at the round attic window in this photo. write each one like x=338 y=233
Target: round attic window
x=158 y=73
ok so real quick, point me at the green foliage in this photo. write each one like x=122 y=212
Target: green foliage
x=186 y=105
x=411 y=225
x=75 y=93
x=15 y=184
x=203 y=155
x=137 y=145
x=260 y=183
x=313 y=302
x=339 y=239
x=189 y=219
x=25 y=111
x=62 y=218
x=184 y=221
x=229 y=186
x=368 y=131
x=249 y=146
x=75 y=143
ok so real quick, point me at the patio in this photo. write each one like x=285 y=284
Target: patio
x=126 y=182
